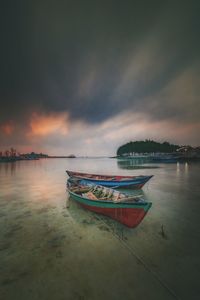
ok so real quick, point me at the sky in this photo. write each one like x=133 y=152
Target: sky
x=84 y=77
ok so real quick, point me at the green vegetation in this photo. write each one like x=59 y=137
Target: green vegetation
x=146 y=146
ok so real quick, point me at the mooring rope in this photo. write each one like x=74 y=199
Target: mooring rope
x=132 y=252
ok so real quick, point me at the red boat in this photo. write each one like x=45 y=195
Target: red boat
x=127 y=209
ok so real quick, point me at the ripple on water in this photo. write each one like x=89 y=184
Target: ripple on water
x=56 y=241
x=45 y=209
x=12 y=230
x=4 y=246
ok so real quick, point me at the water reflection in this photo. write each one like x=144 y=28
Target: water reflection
x=43 y=232
x=186 y=168
x=182 y=169
x=135 y=164
x=177 y=168
x=8 y=167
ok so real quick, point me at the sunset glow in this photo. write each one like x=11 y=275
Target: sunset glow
x=114 y=76
x=7 y=128
x=42 y=125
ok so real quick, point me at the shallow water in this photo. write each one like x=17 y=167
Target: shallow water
x=50 y=248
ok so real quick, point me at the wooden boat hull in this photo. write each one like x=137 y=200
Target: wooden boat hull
x=126 y=182
x=129 y=214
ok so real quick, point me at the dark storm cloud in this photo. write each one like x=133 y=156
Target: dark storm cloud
x=79 y=56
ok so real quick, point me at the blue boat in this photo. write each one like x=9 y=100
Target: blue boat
x=113 y=181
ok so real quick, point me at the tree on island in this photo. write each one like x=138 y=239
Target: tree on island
x=147 y=146
x=12 y=154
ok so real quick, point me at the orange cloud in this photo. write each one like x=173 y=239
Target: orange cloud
x=7 y=128
x=42 y=125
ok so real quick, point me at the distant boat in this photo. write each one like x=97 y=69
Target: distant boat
x=114 y=181
x=126 y=209
x=165 y=159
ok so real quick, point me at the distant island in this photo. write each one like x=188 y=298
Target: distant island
x=13 y=155
x=149 y=147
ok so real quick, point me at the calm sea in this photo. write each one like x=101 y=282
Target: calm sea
x=50 y=248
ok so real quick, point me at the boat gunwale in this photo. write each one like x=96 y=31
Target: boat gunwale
x=130 y=178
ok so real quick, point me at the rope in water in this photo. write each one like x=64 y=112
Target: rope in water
x=132 y=252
